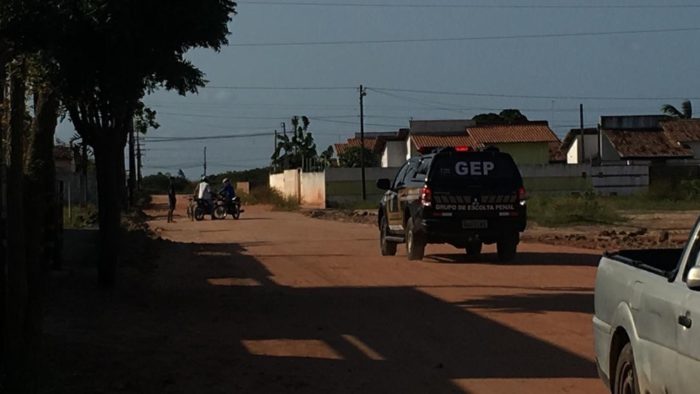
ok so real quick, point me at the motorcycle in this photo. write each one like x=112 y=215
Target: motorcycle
x=202 y=207
x=223 y=208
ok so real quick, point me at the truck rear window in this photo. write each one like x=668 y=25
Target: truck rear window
x=475 y=168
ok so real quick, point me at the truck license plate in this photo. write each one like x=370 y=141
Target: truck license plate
x=475 y=224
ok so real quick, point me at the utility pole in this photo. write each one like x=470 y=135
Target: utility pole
x=284 y=128
x=583 y=136
x=363 y=93
x=205 y=161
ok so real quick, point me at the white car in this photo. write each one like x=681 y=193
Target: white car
x=645 y=302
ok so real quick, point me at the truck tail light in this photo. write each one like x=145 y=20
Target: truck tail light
x=522 y=194
x=426 y=196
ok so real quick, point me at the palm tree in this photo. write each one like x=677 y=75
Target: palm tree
x=686 y=111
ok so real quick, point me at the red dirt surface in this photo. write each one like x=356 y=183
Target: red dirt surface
x=280 y=302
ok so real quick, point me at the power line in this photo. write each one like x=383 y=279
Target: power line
x=522 y=96
x=206 y=138
x=474 y=38
x=279 y=87
x=471 y=6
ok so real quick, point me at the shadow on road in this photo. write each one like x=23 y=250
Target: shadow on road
x=212 y=319
x=522 y=258
x=558 y=302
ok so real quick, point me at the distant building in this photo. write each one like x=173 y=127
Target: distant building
x=685 y=133
x=640 y=138
x=578 y=152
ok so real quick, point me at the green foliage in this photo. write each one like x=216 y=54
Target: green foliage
x=567 y=210
x=507 y=116
x=159 y=183
x=291 y=152
x=686 y=111
x=351 y=157
x=80 y=217
x=257 y=177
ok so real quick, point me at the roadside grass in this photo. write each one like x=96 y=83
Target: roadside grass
x=267 y=195
x=355 y=205
x=80 y=217
x=569 y=210
x=557 y=211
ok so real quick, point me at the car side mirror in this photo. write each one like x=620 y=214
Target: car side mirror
x=693 y=280
x=383 y=184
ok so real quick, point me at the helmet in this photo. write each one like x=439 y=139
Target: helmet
x=225 y=181
x=204 y=178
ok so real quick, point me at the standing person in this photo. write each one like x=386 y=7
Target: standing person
x=172 y=200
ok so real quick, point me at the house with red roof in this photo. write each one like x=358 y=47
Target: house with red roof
x=528 y=142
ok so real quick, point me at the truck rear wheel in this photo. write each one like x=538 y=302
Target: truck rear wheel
x=388 y=248
x=473 y=248
x=626 y=373
x=415 y=245
x=507 y=246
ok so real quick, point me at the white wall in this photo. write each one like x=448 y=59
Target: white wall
x=287 y=183
x=573 y=156
x=313 y=189
x=411 y=150
x=573 y=153
x=394 y=154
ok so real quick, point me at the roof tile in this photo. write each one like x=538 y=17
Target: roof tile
x=682 y=130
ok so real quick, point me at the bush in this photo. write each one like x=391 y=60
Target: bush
x=561 y=211
x=267 y=195
x=80 y=217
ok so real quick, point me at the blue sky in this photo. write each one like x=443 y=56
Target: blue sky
x=566 y=70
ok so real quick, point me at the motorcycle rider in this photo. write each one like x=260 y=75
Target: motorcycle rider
x=203 y=192
x=227 y=190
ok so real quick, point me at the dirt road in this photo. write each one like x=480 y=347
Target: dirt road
x=279 y=302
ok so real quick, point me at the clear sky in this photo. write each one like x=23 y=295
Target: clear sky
x=490 y=67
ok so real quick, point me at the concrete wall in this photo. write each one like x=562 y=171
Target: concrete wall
x=308 y=188
x=566 y=179
x=313 y=190
x=394 y=154
x=344 y=185
x=287 y=183
x=337 y=186
x=695 y=146
x=411 y=150
x=243 y=187
x=609 y=153
x=73 y=189
x=573 y=156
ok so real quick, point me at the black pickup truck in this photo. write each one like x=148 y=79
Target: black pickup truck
x=457 y=196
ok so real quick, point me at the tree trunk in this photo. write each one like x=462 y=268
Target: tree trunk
x=132 y=165
x=39 y=205
x=17 y=286
x=123 y=194
x=109 y=162
x=3 y=279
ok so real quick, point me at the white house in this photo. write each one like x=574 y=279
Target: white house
x=578 y=152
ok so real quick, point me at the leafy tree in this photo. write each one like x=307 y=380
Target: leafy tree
x=26 y=143
x=326 y=156
x=686 y=111
x=351 y=157
x=507 y=116
x=292 y=152
x=108 y=54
